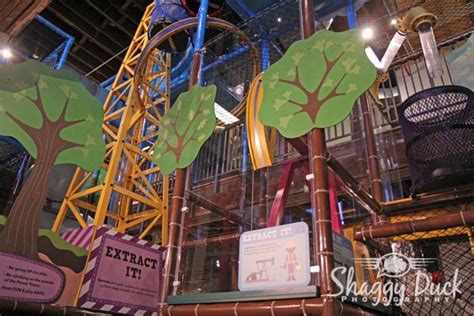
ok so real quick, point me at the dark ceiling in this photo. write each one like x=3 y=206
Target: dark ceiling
x=102 y=30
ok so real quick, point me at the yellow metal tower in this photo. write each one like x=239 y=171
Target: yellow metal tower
x=128 y=197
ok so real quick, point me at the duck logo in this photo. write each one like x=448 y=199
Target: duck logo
x=393 y=265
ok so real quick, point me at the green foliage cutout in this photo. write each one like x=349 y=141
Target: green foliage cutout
x=316 y=82
x=185 y=128
x=58 y=121
x=39 y=108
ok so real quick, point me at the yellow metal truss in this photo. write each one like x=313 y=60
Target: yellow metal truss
x=126 y=198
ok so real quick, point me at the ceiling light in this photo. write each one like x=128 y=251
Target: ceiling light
x=7 y=53
x=393 y=21
x=367 y=33
x=223 y=115
x=279 y=20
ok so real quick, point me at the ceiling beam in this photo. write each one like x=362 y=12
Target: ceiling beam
x=90 y=37
x=135 y=21
x=15 y=15
x=111 y=20
x=71 y=60
x=38 y=39
x=91 y=25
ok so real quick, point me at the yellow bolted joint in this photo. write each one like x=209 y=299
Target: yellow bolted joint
x=415 y=17
x=374 y=89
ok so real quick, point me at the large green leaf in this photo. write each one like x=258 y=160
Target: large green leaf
x=16 y=77
x=316 y=82
x=185 y=128
x=38 y=104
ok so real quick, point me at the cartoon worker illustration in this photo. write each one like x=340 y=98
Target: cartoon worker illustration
x=291 y=264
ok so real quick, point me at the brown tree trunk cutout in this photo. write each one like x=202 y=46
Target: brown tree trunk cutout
x=312 y=106
x=20 y=233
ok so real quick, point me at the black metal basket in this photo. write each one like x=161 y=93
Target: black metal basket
x=438 y=127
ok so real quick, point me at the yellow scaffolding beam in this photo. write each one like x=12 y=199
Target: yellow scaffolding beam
x=132 y=195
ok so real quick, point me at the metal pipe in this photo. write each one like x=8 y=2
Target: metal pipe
x=53 y=27
x=54 y=54
x=67 y=48
x=211 y=240
x=68 y=44
x=183 y=77
x=351 y=14
x=107 y=82
x=425 y=201
x=201 y=26
x=354 y=188
x=243 y=175
x=13 y=307
x=290 y=307
x=181 y=235
x=214 y=208
x=414 y=226
x=322 y=234
x=262 y=200
x=181 y=175
x=372 y=157
x=446 y=43
x=373 y=160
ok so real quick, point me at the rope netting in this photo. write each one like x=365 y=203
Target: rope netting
x=452 y=250
x=438 y=259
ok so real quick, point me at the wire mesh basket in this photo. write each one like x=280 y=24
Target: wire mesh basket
x=438 y=127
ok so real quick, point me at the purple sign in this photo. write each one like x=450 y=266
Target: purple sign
x=123 y=273
x=24 y=279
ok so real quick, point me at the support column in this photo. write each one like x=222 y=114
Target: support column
x=262 y=200
x=322 y=234
x=181 y=175
x=372 y=157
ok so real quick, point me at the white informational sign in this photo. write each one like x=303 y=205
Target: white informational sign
x=275 y=257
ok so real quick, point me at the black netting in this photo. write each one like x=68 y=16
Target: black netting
x=452 y=254
x=438 y=127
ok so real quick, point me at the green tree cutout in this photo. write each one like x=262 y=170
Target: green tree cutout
x=57 y=121
x=316 y=82
x=185 y=128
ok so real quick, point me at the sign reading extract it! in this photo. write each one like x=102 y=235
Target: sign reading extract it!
x=123 y=274
x=276 y=257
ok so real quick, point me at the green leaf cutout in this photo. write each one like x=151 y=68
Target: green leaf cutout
x=185 y=128
x=51 y=114
x=316 y=82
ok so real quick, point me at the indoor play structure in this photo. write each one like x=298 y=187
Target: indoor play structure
x=287 y=165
